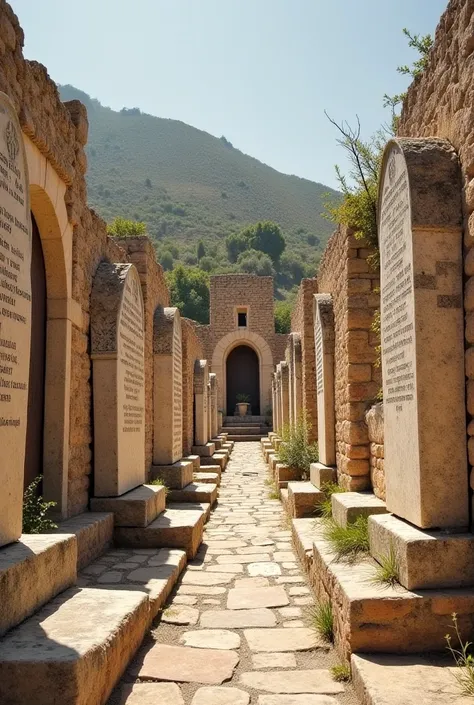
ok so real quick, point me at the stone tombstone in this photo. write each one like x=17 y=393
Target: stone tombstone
x=285 y=394
x=214 y=420
x=297 y=390
x=420 y=239
x=118 y=372
x=15 y=318
x=201 y=381
x=324 y=350
x=167 y=387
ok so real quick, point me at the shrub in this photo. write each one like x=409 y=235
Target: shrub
x=348 y=542
x=464 y=674
x=325 y=507
x=121 y=227
x=341 y=673
x=35 y=511
x=295 y=451
x=283 y=317
x=388 y=570
x=322 y=620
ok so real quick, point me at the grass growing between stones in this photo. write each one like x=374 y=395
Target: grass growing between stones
x=324 y=508
x=461 y=652
x=341 y=673
x=388 y=570
x=160 y=483
x=348 y=542
x=322 y=621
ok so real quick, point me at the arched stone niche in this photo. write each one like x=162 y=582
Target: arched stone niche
x=167 y=386
x=201 y=381
x=117 y=352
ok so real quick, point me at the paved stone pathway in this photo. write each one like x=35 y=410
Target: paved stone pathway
x=236 y=628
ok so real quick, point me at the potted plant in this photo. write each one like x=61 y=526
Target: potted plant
x=243 y=401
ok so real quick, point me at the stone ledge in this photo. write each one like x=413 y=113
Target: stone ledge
x=347 y=506
x=139 y=507
x=211 y=478
x=34 y=570
x=303 y=498
x=320 y=474
x=196 y=461
x=426 y=559
x=203 y=451
x=216 y=459
x=217 y=443
x=405 y=680
x=75 y=649
x=195 y=492
x=283 y=475
x=372 y=618
x=179 y=526
x=175 y=476
x=94 y=532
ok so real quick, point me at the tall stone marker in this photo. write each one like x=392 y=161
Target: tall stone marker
x=420 y=238
x=15 y=319
x=167 y=387
x=324 y=348
x=117 y=337
x=201 y=382
x=214 y=421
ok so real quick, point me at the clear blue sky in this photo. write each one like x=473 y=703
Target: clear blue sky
x=260 y=72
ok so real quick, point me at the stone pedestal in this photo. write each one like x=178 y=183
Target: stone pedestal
x=420 y=220
x=117 y=352
x=201 y=380
x=324 y=348
x=15 y=319
x=320 y=474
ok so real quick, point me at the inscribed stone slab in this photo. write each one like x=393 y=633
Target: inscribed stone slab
x=324 y=347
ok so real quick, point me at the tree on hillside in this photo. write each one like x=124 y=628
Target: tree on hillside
x=267 y=237
x=283 y=316
x=201 y=250
x=189 y=291
x=121 y=227
x=235 y=245
x=255 y=262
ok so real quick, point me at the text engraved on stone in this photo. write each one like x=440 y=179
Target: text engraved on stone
x=131 y=356
x=318 y=339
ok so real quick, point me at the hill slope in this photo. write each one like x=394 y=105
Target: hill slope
x=188 y=185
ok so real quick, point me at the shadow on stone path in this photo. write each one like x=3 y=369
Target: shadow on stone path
x=236 y=627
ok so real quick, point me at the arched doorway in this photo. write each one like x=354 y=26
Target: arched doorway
x=243 y=377
x=35 y=420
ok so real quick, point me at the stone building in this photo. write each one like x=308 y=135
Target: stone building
x=240 y=341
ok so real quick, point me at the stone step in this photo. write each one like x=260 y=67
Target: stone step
x=139 y=507
x=175 y=476
x=195 y=492
x=94 y=532
x=283 y=474
x=211 y=478
x=375 y=618
x=179 y=526
x=303 y=499
x=75 y=649
x=204 y=451
x=248 y=428
x=219 y=459
x=196 y=461
x=250 y=437
x=34 y=570
x=386 y=679
x=217 y=443
x=347 y=506
x=320 y=474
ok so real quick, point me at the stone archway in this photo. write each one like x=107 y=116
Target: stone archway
x=265 y=361
x=242 y=377
x=47 y=193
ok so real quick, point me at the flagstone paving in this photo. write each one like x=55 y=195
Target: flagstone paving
x=236 y=629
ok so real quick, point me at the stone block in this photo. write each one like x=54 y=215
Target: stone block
x=303 y=498
x=347 y=506
x=179 y=526
x=320 y=474
x=196 y=460
x=204 y=450
x=136 y=508
x=216 y=459
x=32 y=571
x=187 y=665
x=175 y=476
x=195 y=492
x=94 y=532
x=211 y=478
x=75 y=649
x=426 y=559
x=217 y=443
x=283 y=474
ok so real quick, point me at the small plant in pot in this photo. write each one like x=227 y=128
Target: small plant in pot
x=243 y=401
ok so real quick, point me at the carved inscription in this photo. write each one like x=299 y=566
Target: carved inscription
x=397 y=295
x=131 y=356
x=318 y=341
x=177 y=391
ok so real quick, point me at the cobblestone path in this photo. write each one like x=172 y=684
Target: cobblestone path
x=236 y=629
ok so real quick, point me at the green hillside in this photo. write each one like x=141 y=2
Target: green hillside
x=188 y=186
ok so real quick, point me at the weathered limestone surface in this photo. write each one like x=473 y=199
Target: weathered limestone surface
x=324 y=349
x=347 y=506
x=139 y=507
x=420 y=234
x=94 y=534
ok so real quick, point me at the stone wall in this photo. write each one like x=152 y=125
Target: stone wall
x=439 y=103
x=302 y=323
x=345 y=273
x=374 y=420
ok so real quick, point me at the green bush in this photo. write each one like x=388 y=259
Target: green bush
x=296 y=451
x=35 y=511
x=324 y=508
x=121 y=227
x=283 y=317
x=348 y=542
